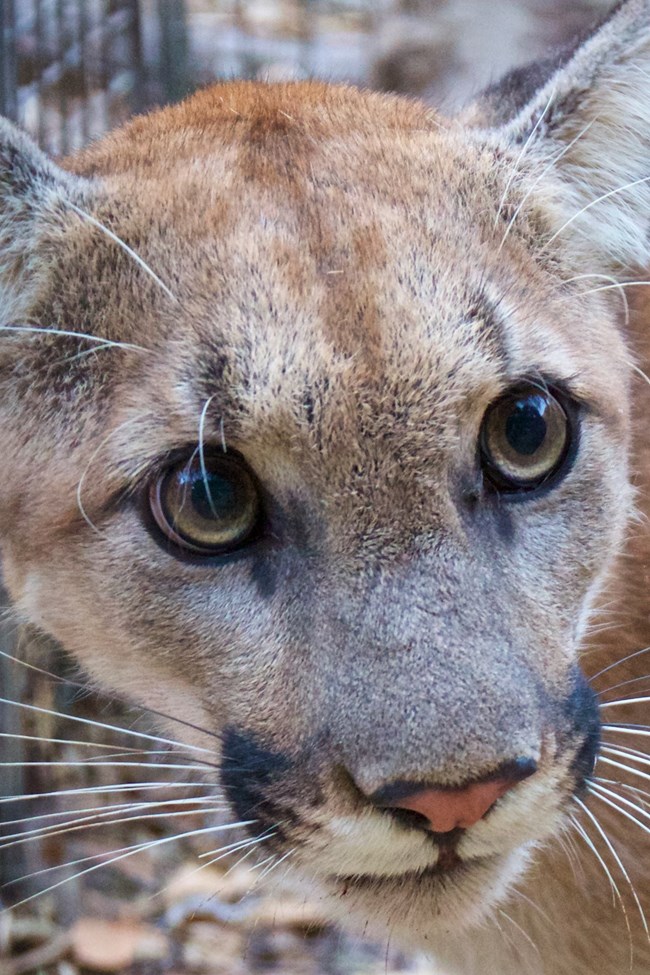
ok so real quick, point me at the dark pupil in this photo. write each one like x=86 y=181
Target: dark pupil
x=526 y=426
x=214 y=497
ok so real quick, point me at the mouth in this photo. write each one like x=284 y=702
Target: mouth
x=450 y=868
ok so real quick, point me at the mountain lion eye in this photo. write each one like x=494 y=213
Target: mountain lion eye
x=208 y=507
x=525 y=438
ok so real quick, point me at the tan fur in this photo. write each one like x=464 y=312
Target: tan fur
x=332 y=292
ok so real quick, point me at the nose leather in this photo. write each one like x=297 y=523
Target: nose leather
x=449 y=809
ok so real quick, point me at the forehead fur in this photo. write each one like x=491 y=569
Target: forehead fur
x=312 y=239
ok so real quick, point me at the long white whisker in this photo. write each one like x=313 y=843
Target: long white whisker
x=623 y=683
x=624 y=751
x=125 y=247
x=617 y=858
x=148 y=766
x=537 y=181
x=129 y=851
x=626 y=802
x=618 y=663
x=626 y=768
x=81 y=744
x=593 y=203
x=100 y=724
x=612 y=883
x=274 y=866
x=88 y=812
x=106 y=789
x=526 y=146
x=204 y=471
x=616 y=893
x=223 y=851
x=520 y=930
x=623 y=812
x=65 y=333
x=83 y=687
x=60 y=829
x=622 y=785
x=620 y=729
x=624 y=703
x=80 y=505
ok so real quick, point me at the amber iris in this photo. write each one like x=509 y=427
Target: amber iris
x=208 y=503
x=525 y=438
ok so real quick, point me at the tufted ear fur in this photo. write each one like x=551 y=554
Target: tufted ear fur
x=580 y=124
x=35 y=198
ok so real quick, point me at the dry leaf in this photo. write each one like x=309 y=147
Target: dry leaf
x=109 y=946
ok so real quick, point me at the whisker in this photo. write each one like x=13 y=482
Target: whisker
x=626 y=802
x=610 y=287
x=224 y=851
x=640 y=730
x=625 y=768
x=123 y=854
x=149 y=766
x=616 y=893
x=624 y=683
x=103 y=790
x=125 y=247
x=520 y=930
x=556 y=159
x=618 y=860
x=593 y=203
x=622 y=785
x=526 y=146
x=204 y=471
x=102 y=811
x=62 y=829
x=65 y=333
x=80 y=505
x=534 y=905
x=81 y=744
x=103 y=725
x=624 y=751
x=158 y=714
x=274 y=866
x=625 y=702
x=623 y=812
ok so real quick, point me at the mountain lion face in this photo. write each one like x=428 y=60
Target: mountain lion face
x=315 y=422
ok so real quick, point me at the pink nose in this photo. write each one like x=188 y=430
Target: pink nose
x=449 y=809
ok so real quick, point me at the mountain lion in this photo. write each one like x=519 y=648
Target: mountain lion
x=324 y=426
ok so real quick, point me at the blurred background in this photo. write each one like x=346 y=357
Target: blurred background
x=69 y=71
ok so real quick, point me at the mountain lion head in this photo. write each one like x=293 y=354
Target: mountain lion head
x=315 y=430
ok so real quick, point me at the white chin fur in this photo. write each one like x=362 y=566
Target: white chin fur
x=426 y=911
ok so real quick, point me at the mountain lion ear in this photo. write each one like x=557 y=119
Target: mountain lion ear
x=583 y=133
x=35 y=195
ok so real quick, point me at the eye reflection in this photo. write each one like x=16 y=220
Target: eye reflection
x=525 y=438
x=208 y=505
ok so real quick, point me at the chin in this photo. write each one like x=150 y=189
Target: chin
x=425 y=908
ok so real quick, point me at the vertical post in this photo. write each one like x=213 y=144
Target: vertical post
x=139 y=92
x=12 y=748
x=174 y=49
x=8 y=73
x=62 y=45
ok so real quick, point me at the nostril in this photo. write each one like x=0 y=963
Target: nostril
x=447 y=809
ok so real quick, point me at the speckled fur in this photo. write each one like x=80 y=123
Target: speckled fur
x=337 y=287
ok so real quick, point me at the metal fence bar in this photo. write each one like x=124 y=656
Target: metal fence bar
x=174 y=76
x=12 y=749
x=8 y=64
